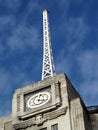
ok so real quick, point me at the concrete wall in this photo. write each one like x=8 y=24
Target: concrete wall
x=6 y=123
x=94 y=121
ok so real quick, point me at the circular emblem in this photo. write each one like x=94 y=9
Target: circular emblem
x=38 y=99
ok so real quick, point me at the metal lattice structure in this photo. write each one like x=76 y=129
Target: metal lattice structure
x=48 y=69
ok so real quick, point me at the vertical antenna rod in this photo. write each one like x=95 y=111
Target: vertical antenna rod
x=48 y=69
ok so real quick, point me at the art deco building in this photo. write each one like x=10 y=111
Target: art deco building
x=49 y=104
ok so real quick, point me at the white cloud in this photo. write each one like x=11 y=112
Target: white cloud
x=64 y=3
x=88 y=62
x=4 y=81
x=5 y=107
x=6 y=21
x=18 y=36
x=33 y=6
x=76 y=30
x=7 y=24
x=24 y=36
x=63 y=64
x=8 y=78
x=10 y=4
x=89 y=92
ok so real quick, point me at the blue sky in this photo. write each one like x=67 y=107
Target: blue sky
x=74 y=37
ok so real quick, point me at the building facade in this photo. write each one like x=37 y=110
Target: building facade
x=50 y=104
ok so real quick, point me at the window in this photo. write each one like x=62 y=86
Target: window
x=54 y=127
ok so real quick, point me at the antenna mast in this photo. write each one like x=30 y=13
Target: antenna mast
x=48 y=69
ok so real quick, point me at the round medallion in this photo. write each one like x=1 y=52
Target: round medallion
x=38 y=99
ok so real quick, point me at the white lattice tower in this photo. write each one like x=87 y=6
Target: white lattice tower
x=48 y=69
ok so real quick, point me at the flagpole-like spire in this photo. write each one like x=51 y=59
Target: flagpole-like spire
x=48 y=69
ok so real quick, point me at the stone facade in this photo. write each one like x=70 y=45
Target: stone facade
x=65 y=109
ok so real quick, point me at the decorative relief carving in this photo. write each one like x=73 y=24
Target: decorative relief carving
x=30 y=117
x=57 y=93
x=30 y=95
x=55 y=114
x=40 y=118
x=18 y=103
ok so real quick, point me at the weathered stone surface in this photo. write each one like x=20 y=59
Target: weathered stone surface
x=65 y=108
x=94 y=121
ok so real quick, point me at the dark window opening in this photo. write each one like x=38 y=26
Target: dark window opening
x=54 y=127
